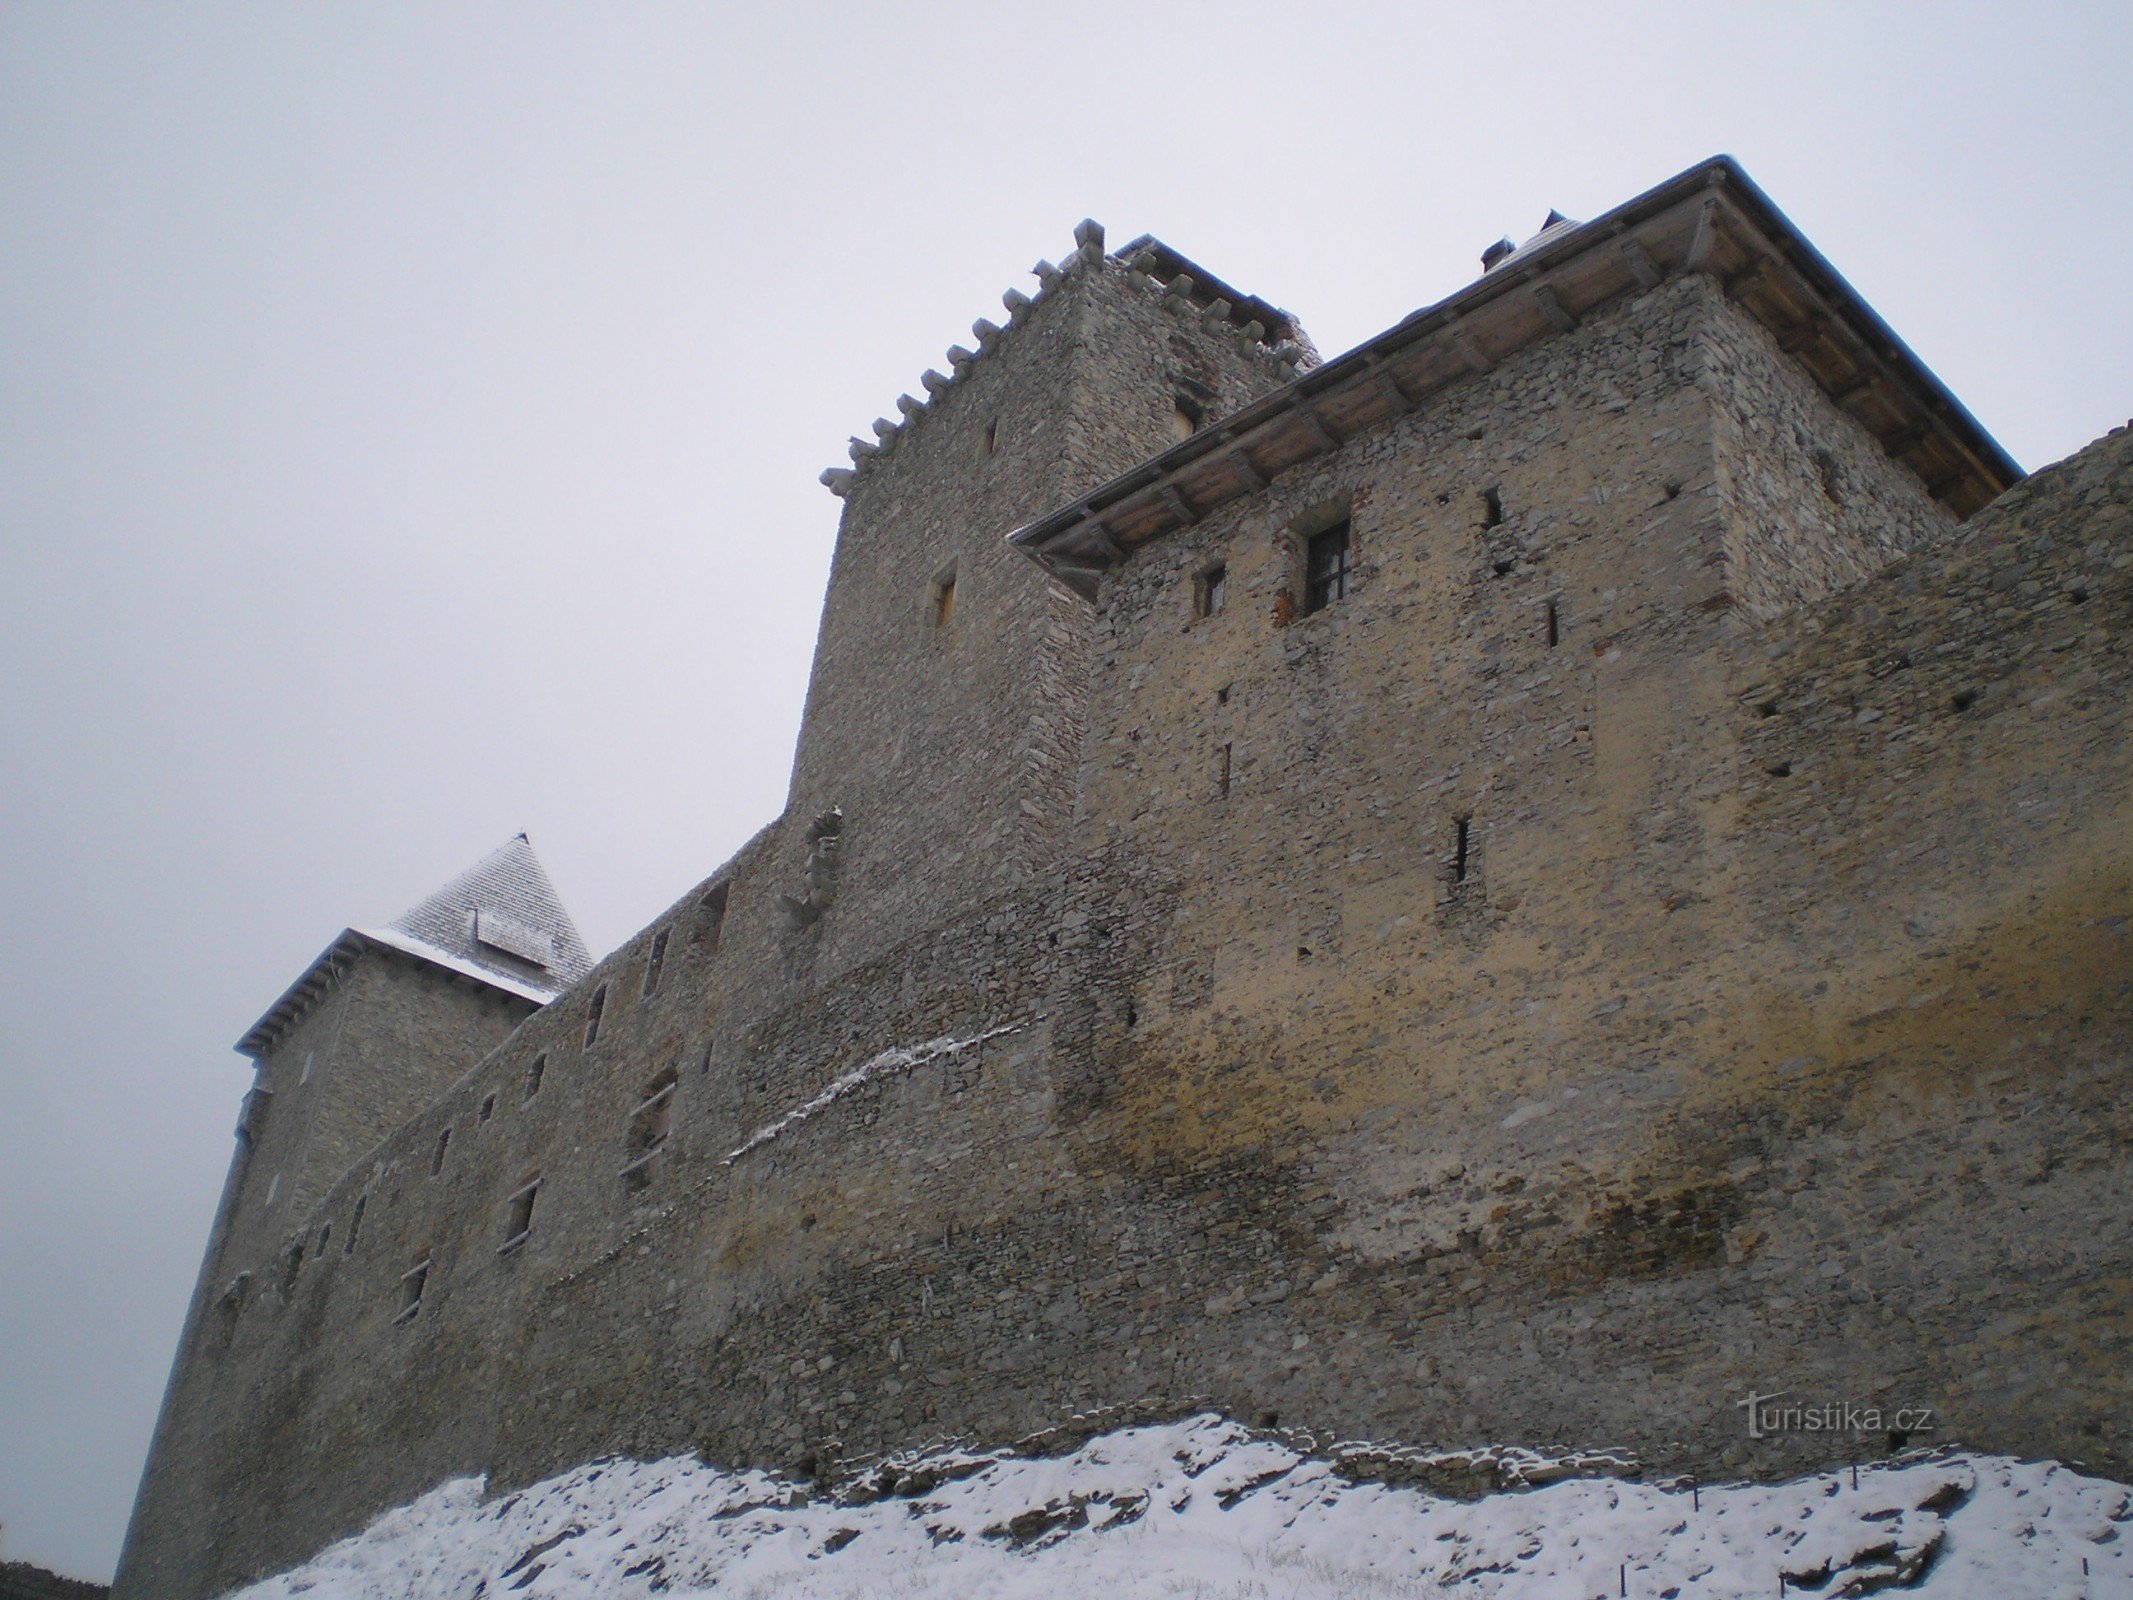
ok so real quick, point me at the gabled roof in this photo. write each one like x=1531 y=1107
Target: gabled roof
x=1710 y=219
x=499 y=923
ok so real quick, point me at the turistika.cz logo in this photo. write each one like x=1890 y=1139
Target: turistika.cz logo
x=1772 y=1413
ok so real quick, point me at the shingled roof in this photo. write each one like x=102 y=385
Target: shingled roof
x=499 y=923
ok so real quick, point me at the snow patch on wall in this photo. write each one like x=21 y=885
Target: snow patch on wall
x=903 y=1058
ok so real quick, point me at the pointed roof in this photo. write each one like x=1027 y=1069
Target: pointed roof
x=499 y=923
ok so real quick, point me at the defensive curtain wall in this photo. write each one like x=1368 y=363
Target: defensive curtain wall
x=1659 y=935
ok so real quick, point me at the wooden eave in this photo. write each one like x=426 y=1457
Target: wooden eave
x=1711 y=219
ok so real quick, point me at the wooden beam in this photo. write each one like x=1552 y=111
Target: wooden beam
x=1456 y=337
x=1241 y=459
x=1904 y=440
x=1179 y=506
x=1640 y=264
x=1700 y=239
x=1748 y=277
x=1315 y=425
x=1807 y=331
x=1862 y=379
x=1552 y=307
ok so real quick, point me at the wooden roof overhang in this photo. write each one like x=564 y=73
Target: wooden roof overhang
x=1711 y=219
x=337 y=958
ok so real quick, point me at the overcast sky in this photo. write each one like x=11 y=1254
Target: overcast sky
x=410 y=416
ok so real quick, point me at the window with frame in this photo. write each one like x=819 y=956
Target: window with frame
x=1326 y=567
x=648 y=1130
x=412 y=1282
x=710 y=918
x=1210 y=590
x=940 y=598
x=518 y=1215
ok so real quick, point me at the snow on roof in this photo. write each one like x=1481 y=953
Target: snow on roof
x=499 y=923
x=502 y=916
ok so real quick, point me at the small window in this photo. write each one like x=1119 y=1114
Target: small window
x=940 y=599
x=1187 y=417
x=1222 y=773
x=1326 y=567
x=1491 y=507
x=710 y=918
x=1462 y=847
x=488 y=1109
x=592 y=1016
x=304 y=1077
x=518 y=1215
x=1210 y=590
x=648 y=1130
x=1555 y=627
x=534 y=1074
x=654 y=961
x=355 y=1225
x=411 y=1285
x=992 y=435
x=273 y=1188
x=1832 y=479
x=444 y=1143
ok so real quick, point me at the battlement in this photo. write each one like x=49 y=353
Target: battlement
x=1190 y=291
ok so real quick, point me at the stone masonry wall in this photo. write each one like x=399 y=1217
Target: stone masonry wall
x=1774 y=1034
x=1817 y=505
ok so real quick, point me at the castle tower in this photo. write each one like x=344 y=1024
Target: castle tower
x=381 y=1023
x=943 y=716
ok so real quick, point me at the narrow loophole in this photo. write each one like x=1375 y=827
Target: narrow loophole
x=1555 y=630
x=1491 y=507
x=1461 y=839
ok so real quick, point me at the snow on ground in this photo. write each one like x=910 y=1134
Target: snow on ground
x=1209 y=1510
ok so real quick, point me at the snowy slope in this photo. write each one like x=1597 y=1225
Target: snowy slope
x=1209 y=1510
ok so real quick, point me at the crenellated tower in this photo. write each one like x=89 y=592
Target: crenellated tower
x=944 y=711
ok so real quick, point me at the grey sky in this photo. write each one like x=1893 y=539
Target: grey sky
x=409 y=421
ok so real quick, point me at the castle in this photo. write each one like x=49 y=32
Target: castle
x=1564 y=868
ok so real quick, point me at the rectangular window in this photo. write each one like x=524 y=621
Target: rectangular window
x=518 y=1216
x=710 y=918
x=411 y=1284
x=654 y=961
x=592 y=1016
x=1210 y=590
x=355 y=1225
x=534 y=1074
x=444 y=1143
x=1326 y=568
x=944 y=599
x=488 y=1109
x=648 y=1130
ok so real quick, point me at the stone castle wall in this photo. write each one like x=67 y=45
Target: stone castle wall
x=1773 y=1035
